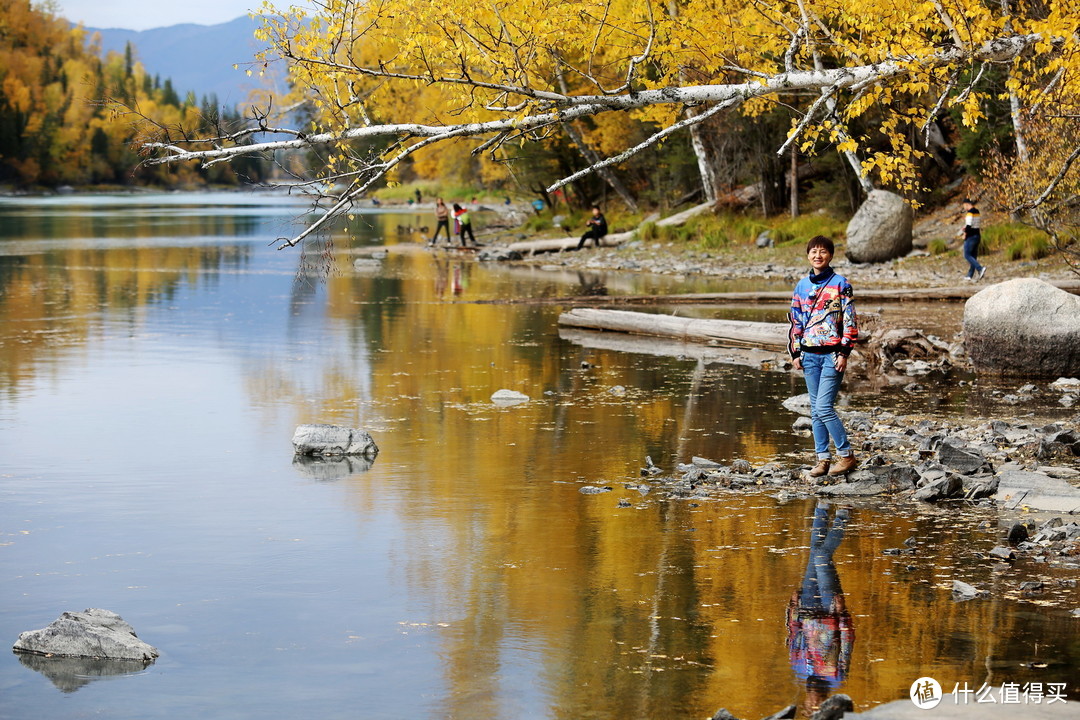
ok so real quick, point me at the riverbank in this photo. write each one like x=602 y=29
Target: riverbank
x=1017 y=480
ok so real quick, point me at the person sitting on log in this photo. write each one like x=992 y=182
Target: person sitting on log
x=597 y=228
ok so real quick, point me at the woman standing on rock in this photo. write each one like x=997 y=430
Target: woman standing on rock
x=823 y=331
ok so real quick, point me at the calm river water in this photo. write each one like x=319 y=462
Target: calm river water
x=156 y=354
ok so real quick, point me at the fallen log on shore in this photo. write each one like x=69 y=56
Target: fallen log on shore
x=531 y=247
x=728 y=333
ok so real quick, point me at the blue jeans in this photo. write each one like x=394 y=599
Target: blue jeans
x=823 y=384
x=971 y=249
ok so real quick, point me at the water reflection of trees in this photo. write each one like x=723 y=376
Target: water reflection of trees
x=52 y=301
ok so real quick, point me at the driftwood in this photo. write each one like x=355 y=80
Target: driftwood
x=531 y=247
x=671 y=347
x=728 y=333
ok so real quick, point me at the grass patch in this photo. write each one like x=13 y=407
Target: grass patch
x=648 y=231
x=1016 y=241
x=938 y=246
x=802 y=228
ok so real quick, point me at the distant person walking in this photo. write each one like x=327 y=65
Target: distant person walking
x=464 y=225
x=442 y=222
x=597 y=228
x=972 y=234
x=822 y=334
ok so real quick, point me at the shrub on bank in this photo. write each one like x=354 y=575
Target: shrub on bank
x=1016 y=241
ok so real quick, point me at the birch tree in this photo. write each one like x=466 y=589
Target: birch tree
x=413 y=73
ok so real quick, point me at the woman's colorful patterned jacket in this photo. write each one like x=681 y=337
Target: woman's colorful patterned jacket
x=822 y=315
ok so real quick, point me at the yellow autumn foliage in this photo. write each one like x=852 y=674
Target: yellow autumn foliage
x=451 y=63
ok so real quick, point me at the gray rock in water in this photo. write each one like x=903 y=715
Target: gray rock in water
x=723 y=714
x=787 y=713
x=333 y=440
x=498 y=254
x=742 y=466
x=1023 y=327
x=802 y=423
x=962 y=592
x=798 y=404
x=93 y=633
x=880 y=229
x=957 y=455
x=362 y=264
x=836 y=706
x=1018 y=533
x=981 y=487
x=864 y=486
x=593 y=490
x=508 y=397
x=1003 y=553
x=1019 y=488
x=949 y=486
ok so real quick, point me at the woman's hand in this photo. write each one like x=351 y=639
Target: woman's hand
x=840 y=362
x=797 y=362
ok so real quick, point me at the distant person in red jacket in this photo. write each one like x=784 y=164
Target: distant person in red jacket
x=464 y=225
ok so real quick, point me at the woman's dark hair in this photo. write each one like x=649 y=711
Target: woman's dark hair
x=820 y=241
x=458 y=207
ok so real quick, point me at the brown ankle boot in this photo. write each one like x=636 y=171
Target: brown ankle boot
x=846 y=464
x=821 y=468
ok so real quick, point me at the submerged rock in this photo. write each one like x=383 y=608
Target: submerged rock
x=798 y=404
x=93 y=633
x=331 y=440
x=508 y=397
x=962 y=592
x=834 y=708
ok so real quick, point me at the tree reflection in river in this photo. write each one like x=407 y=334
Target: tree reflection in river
x=463 y=574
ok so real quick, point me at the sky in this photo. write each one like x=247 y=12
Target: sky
x=143 y=15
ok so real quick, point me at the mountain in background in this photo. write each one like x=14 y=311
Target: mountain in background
x=200 y=58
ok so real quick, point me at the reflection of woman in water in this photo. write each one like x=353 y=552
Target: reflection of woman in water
x=820 y=633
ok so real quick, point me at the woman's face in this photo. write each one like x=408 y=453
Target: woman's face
x=819 y=258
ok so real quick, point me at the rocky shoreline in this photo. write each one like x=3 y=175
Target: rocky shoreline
x=1029 y=471
x=918 y=269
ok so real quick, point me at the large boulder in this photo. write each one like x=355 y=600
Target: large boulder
x=333 y=440
x=880 y=229
x=94 y=633
x=1025 y=328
